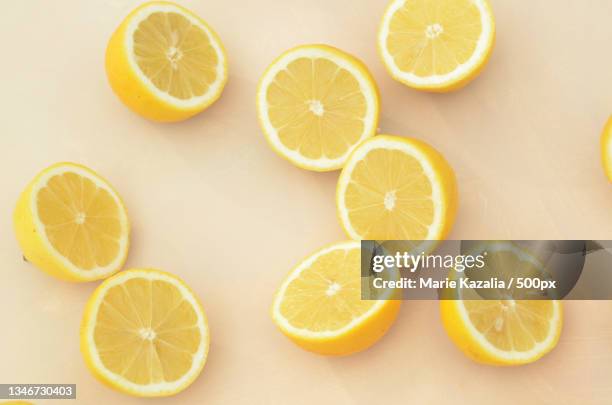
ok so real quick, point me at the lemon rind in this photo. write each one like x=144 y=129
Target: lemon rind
x=118 y=382
x=346 y=61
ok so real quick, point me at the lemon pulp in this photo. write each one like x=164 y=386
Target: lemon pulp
x=315 y=104
x=317 y=107
x=434 y=37
x=512 y=325
x=327 y=295
x=81 y=220
x=175 y=55
x=389 y=194
x=146 y=332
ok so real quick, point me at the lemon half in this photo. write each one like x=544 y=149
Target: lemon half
x=319 y=305
x=72 y=224
x=166 y=63
x=503 y=332
x=315 y=104
x=145 y=333
x=396 y=188
x=436 y=45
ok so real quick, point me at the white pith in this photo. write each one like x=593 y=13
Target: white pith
x=97 y=272
x=307 y=263
x=387 y=142
x=437 y=80
x=199 y=357
x=213 y=90
x=314 y=52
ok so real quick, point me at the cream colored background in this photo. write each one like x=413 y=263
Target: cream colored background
x=211 y=202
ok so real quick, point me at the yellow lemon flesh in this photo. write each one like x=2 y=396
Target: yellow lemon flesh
x=315 y=104
x=144 y=333
x=319 y=305
x=395 y=188
x=436 y=45
x=606 y=149
x=72 y=224
x=503 y=332
x=165 y=63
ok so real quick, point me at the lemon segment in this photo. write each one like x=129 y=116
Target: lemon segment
x=315 y=104
x=319 y=304
x=145 y=333
x=72 y=224
x=436 y=45
x=395 y=188
x=166 y=63
x=503 y=332
x=606 y=149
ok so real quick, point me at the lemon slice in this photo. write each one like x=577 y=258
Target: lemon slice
x=606 y=149
x=319 y=305
x=72 y=224
x=436 y=45
x=145 y=333
x=503 y=332
x=165 y=62
x=395 y=188
x=315 y=104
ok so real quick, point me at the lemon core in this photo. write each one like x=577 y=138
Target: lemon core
x=390 y=198
x=434 y=30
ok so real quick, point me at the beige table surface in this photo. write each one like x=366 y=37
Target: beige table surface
x=211 y=202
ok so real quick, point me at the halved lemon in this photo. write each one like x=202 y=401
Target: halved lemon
x=319 y=305
x=165 y=63
x=606 y=149
x=72 y=224
x=315 y=104
x=503 y=332
x=145 y=333
x=436 y=45
x=396 y=188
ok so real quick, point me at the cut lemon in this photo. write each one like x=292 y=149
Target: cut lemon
x=319 y=305
x=165 y=63
x=144 y=333
x=72 y=224
x=606 y=149
x=503 y=332
x=315 y=104
x=436 y=45
x=395 y=188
